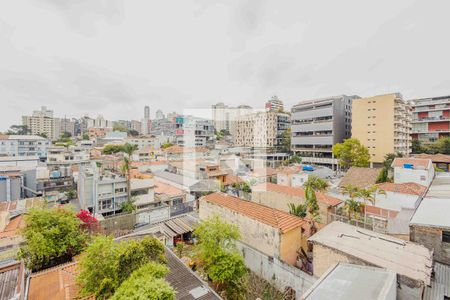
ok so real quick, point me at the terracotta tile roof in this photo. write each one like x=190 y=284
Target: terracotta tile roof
x=264 y=214
x=230 y=179
x=290 y=170
x=436 y=158
x=416 y=162
x=410 y=188
x=296 y=191
x=360 y=177
x=149 y=163
x=13 y=227
x=263 y=172
x=175 y=149
x=55 y=283
x=163 y=188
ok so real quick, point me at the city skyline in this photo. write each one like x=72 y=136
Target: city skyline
x=91 y=57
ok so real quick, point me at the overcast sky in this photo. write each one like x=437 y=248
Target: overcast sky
x=113 y=57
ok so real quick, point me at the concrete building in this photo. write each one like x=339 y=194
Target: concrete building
x=225 y=117
x=271 y=231
x=136 y=126
x=99 y=122
x=417 y=170
x=346 y=281
x=11 y=181
x=382 y=124
x=42 y=122
x=159 y=115
x=261 y=129
x=343 y=243
x=194 y=132
x=20 y=161
x=280 y=196
x=274 y=104
x=430 y=225
x=100 y=192
x=67 y=126
x=24 y=145
x=316 y=125
x=430 y=118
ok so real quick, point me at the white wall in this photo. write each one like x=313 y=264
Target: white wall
x=423 y=177
x=396 y=201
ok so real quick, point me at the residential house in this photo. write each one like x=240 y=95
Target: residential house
x=280 y=196
x=12 y=280
x=430 y=225
x=360 y=177
x=416 y=170
x=273 y=232
x=440 y=161
x=396 y=196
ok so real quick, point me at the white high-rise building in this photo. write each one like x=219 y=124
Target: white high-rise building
x=274 y=104
x=225 y=117
x=159 y=115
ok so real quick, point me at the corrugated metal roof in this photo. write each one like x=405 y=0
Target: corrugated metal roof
x=440 y=285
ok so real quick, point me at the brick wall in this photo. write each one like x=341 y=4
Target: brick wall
x=432 y=239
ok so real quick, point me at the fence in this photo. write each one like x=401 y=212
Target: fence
x=370 y=222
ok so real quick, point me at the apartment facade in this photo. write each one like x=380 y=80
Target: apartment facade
x=42 y=122
x=194 y=132
x=100 y=192
x=319 y=124
x=261 y=129
x=225 y=117
x=274 y=104
x=382 y=124
x=24 y=145
x=430 y=118
x=99 y=122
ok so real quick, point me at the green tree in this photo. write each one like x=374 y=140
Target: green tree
x=70 y=194
x=383 y=176
x=43 y=134
x=119 y=127
x=18 y=130
x=369 y=194
x=51 y=236
x=286 y=141
x=298 y=210
x=316 y=183
x=350 y=190
x=128 y=150
x=128 y=206
x=216 y=249
x=416 y=147
x=85 y=136
x=351 y=153
x=147 y=282
x=353 y=207
x=106 y=264
x=112 y=149
x=98 y=268
x=166 y=145
x=444 y=145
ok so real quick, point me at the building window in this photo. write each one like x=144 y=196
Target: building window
x=446 y=236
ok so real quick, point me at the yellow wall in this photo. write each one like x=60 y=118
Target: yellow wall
x=382 y=117
x=291 y=242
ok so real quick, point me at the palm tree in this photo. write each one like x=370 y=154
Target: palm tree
x=350 y=190
x=298 y=210
x=316 y=183
x=369 y=194
x=313 y=207
x=352 y=207
x=128 y=150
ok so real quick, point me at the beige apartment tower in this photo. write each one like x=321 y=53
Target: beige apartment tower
x=382 y=124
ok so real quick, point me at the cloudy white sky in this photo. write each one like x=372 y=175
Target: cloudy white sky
x=112 y=57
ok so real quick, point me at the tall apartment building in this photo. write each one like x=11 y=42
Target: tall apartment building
x=319 y=124
x=225 y=117
x=99 y=122
x=42 y=122
x=194 y=132
x=159 y=115
x=382 y=124
x=274 y=104
x=67 y=125
x=136 y=126
x=24 y=145
x=261 y=129
x=430 y=118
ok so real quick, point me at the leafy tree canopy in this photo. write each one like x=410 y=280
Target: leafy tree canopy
x=147 y=282
x=106 y=264
x=51 y=236
x=352 y=153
